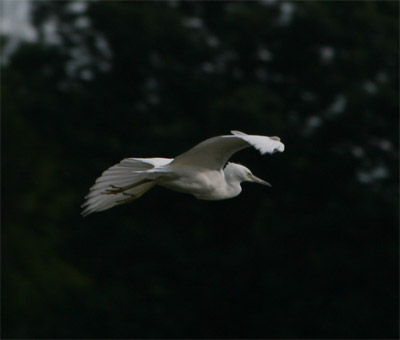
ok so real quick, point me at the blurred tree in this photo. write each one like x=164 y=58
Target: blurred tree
x=314 y=257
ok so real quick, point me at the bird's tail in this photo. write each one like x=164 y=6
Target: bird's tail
x=120 y=184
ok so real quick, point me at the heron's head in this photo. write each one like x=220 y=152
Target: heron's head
x=240 y=173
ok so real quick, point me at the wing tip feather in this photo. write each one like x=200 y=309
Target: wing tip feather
x=280 y=147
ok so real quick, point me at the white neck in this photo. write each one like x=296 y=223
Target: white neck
x=233 y=187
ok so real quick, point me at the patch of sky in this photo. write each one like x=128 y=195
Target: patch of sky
x=311 y=124
x=16 y=25
x=337 y=107
x=264 y=54
x=286 y=12
x=212 y=41
x=370 y=87
x=382 y=77
x=357 y=151
x=82 y=22
x=208 y=67
x=327 y=54
x=86 y=74
x=173 y=3
x=382 y=144
x=77 y=6
x=371 y=175
x=193 y=22
x=49 y=30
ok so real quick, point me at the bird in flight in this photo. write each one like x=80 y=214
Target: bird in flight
x=203 y=171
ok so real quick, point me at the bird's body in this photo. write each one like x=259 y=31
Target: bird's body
x=200 y=182
x=202 y=171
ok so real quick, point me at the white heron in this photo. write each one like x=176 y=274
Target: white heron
x=202 y=171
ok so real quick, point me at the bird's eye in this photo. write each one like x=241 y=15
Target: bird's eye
x=249 y=175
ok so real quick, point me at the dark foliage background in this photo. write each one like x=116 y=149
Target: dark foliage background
x=315 y=256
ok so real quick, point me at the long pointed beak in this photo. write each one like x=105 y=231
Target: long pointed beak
x=255 y=179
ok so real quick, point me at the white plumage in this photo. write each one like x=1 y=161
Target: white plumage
x=200 y=171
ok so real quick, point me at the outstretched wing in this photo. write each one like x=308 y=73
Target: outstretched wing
x=213 y=153
x=121 y=183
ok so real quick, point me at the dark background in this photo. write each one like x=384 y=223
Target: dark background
x=315 y=256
